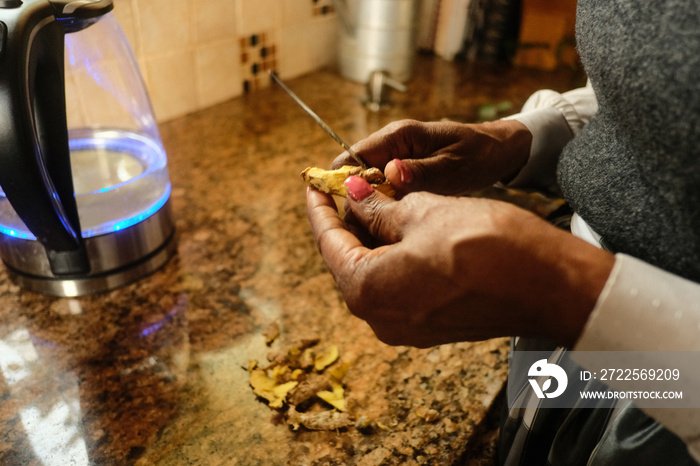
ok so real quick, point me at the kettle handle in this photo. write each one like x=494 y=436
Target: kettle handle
x=35 y=170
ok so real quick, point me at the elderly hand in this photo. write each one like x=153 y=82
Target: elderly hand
x=455 y=269
x=445 y=157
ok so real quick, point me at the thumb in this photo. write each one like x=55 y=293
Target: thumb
x=441 y=173
x=400 y=174
x=433 y=174
x=374 y=210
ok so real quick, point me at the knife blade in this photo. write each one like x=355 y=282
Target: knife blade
x=319 y=121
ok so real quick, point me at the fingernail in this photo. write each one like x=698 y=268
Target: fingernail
x=358 y=188
x=404 y=172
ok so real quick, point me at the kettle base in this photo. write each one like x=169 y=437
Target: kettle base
x=117 y=258
x=71 y=288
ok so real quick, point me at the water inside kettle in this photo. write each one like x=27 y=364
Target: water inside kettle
x=120 y=179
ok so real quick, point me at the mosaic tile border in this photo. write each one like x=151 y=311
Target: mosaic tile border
x=258 y=56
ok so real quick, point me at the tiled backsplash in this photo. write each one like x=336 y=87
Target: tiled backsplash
x=197 y=53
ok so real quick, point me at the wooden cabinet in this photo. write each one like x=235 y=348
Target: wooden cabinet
x=547 y=31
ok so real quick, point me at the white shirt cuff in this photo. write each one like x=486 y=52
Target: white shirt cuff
x=553 y=120
x=644 y=308
x=550 y=133
x=639 y=304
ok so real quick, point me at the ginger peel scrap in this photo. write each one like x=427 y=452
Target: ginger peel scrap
x=270 y=388
x=323 y=360
x=298 y=379
x=335 y=398
x=325 y=420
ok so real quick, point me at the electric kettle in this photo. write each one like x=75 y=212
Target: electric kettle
x=84 y=185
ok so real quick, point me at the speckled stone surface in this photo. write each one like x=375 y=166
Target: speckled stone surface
x=155 y=372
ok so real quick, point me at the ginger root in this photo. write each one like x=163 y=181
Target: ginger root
x=332 y=181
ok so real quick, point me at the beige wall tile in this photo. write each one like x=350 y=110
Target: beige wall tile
x=296 y=11
x=164 y=25
x=190 y=51
x=326 y=35
x=295 y=51
x=172 y=84
x=256 y=16
x=124 y=12
x=218 y=73
x=214 y=20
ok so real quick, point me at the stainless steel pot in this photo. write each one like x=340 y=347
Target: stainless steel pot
x=379 y=35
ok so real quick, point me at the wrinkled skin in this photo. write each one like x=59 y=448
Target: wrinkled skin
x=430 y=268
x=445 y=157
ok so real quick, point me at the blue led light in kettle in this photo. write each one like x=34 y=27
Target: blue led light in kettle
x=121 y=224
x=15 y=233
x=145 y=151
x=116 y=225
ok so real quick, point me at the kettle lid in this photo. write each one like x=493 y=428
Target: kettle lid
x=76 y=15
x=81 y=9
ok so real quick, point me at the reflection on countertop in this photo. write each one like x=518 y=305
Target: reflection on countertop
x=157 y=372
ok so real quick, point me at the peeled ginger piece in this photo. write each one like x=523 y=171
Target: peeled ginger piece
x=332 y=181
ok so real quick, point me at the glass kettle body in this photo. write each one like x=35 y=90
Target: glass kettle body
x=84 y=185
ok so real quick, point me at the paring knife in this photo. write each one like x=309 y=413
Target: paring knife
x=318 y=120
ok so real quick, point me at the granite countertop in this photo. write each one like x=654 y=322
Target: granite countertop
x=157 y=372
